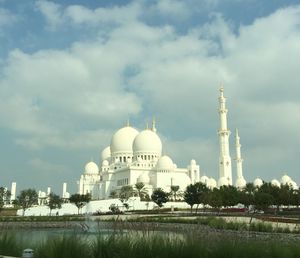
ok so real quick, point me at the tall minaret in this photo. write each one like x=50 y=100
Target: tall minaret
x=224 y=159
x=239 y=160
x=240 y=181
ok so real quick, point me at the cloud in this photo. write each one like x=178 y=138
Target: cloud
x=74 y=98
x=6 y=17
x=56 y=15
x=50 y=93
x=52 y=12
x=43 y=166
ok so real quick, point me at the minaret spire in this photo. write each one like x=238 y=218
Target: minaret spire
x=240 y=181
x=239 y=160
x=225 y=169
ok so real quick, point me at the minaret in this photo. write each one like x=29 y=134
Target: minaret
x=224 y=159
x=240 y=181
x=239 y=160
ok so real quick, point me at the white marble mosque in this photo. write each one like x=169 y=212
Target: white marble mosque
x=136 y=156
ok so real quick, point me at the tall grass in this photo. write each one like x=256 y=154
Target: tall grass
x=220 y=223
x=75 y=246
x=150 y=245
x=9 y=244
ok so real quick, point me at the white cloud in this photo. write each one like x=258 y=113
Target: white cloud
x=6 y=17
x=52 y=12
x=43 y=166
x=173 y=8
x=53 y=97
x=56 y=15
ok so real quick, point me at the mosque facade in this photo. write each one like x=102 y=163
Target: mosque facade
x=136 y=156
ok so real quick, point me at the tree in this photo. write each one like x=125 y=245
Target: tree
x=114 y=194
x=141 y=191
x=196 y=194
x=80 y=200
x=229 y=195
x=54 y=202
x=262 y=200
x=190 y=196
x=215 y=199
x=4 y=197
x=27 y=198
x=174 y=190
x=159 y=196
x=126 y=191
x=246 y=196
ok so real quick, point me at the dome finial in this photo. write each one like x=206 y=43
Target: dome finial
x=128 y=122
x=147 y=125
x=221 y=89
x=153 y=125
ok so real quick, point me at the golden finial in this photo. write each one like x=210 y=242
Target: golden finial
x=153 y=124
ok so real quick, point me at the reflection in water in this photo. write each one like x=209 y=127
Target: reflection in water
x=89 y=231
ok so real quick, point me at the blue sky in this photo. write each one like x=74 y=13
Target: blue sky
x=72 y=72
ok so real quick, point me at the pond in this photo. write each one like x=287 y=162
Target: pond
x=89 y=230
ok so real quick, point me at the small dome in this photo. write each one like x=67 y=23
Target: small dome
x=285 y=180
x=147 y=142
x=105 y=163
x=164 y=163
x=294 y=185
x=240 y=182
x=257 y=182
x=105 y=154
x=223 y=181
x=275 y=182
x=91 y=168
x=212 y=183
x=193 y=162
x=144 y=178
x=122 y=140
x=42 y=195
x=204 y=180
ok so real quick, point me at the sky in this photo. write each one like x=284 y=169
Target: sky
x=73 y=72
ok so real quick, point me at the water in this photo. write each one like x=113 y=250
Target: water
x=88 y=231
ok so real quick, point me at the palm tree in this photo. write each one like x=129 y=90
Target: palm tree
x=140 y=190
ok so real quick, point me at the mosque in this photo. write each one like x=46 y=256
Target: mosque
x=136 y=156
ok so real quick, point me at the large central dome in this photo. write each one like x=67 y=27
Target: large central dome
x=122 y=140
x=147 y=142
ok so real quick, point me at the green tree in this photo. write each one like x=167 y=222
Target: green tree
x=196 y=194
x=229 y=195
x=141 y=191
x=27 y=198
x=114 y=194
x=262 y=200
x=125 y=193
x=174 y=190
x=80 y=200
x=190 y=196
x=246 y=196
x=54 y=202
x=159 y=196
x=215 y=199
x=4 y=197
